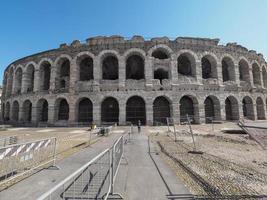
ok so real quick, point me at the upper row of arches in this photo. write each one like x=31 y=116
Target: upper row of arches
x=135 y=65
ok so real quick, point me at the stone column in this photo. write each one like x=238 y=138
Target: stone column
x=97 y=112
x=34 y=115
x=198 y=71
x=149 y=113
x=251 y=77
x=176 y=112
x=37 y=79
x=199 y=112
x=71 y=113
x=53 y=78
x=223 y=114
x=148 y=73
x=122 y=113
x=174 y=72
x=24 y=83
x=52 y=112
x=122 y=71
x=240 y=111
x=97 y=73
x=73 y=77
x=219 y=73
x=21 y=113
x=261 y=79
x=236 y=69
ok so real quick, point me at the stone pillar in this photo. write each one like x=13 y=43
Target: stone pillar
x=176 y=112
x=53 y=78
x=34 y=115
x=219 y=73
x=174 y=72
x=149 y=113
x=73 y=77
x=236 y=69
x=223 y=113
x=71 y=113
x=122 y=114
x=198 y=71
x=251 y=77
x=148 y=72
x=24 y=83
x=21 y=113
x=261 y=79
x=240 y=111
x=97 y=112
x=122 y=71
x=37 y=79
x=52 y=112
x=199 y=113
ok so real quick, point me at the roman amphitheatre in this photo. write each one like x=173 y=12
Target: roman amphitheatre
x=135 y=118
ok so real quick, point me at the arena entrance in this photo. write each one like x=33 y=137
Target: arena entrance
x=231 y=109
x=110 y=110
x=247 y=106
x=161 y=110
x=27 y=111
x=63 y=110
x=85 y=111
x=188 y=106
x=209 y=110
x=42 y=106
x=260 y=109
x=136 y=110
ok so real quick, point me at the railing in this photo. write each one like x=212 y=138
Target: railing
x=8 y=141
x=18 y=159
x=94 y=180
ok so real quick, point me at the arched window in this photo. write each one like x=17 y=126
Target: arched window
x=243 y=71
x=160 y=54
x=187 y=108
x=85 y=111
x=256 y=74
x=27 y=111
x=63 y=75
x=86 y=69
x=42 y=110
x=186 y=65
x=161 y=110
x=18 y=81
x=110 y=110
x=136 y=110
x=45 y=71
x=264 y=76
x=29 y=79
x=209 y=67
x=110 y=68
x=135 y=67
x=15 y=111
x=228 y=71
x=247 y=106
x=63 y=109
x=260 y=109
x=231 y=108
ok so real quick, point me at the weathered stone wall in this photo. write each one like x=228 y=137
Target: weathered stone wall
x=19 y=87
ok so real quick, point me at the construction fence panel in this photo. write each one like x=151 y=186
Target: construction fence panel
x=18 y=159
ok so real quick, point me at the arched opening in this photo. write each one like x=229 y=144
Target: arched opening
x=243 y=71
x=161 y=74
x=63 y=109
x=110 y=110
x=189 y=107
x=42 y=109
x=29 y=79
x=209 y=110
x=4 y=86
x=110 y=68
x=18 y=81
x=228 y=71
x=86 y=69
x=264 y=76
x=135 y=67
x=260 y=109
x=231 y=108
x=160 y=54
x=186 y=65
x=209 y=67
x=161 y=110
x=256 y=74
x=136 y=110
x=3 y=111
x=45 y=71
x=15 y=111
x=85 y=111
x=247 y=106
x=63 y=75
x=7 y=112
x=27 y=111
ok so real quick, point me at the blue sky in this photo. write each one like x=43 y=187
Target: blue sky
x=31 y=26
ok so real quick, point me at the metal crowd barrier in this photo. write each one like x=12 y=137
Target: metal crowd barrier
x=94 y=180
x=18 y=159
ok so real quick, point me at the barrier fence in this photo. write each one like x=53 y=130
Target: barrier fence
x=94 y=180
x=18 y=159
x=8 y=141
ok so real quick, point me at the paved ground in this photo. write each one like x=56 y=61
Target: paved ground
x=39 y=183
x=142 y=176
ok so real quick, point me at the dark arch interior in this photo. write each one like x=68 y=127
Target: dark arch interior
x=206 y=68
x=186 y=108
x=159 y=54
x=63 y=110
x=30 y=78
x=18 y=81
x=209 y=109
x=43 y=112
x=86 y=69
x=27 y=109
x=15 y=111
x=260 y=109
x=135 y=68
x=243 y=71
x=64 y=74
x=231 y=109
x=110 y=68
x=161 y=110
x=110 y=110
x=247 y=106
x=256 y=74
x=7 y=112
x=184 y=65
x=85 y=111
x=136 y=110
x=161 y=74
x=45 y=76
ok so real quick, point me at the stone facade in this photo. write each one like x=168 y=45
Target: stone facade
x=111 y=79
